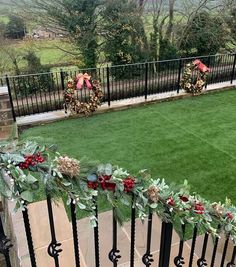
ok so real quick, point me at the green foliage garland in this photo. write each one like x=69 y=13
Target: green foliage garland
x=25 y=166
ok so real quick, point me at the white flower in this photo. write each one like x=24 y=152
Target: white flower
x=8 y=172
x=9 y=161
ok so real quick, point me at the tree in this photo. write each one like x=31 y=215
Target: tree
x=125 y=38
x=162 y=45
x=206 y=35
x=15 y=28
x=12 y=56
x=42 y=81
x=77 y=18
x=229 y=13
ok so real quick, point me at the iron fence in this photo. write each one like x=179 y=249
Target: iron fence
x=43 y=92
x=168 y=256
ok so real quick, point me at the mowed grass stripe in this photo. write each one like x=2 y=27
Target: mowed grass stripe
x=186 y=139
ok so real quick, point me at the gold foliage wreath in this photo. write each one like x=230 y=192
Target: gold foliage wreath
x=191 y=84
x=75 y=106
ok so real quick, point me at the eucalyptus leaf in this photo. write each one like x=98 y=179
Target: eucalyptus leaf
x=68 y=201
x=31 y=179
x=65 y=183
x=124 y=201
x=27 y=195
x=29 y=148
x=93 y=222
x=153 y=205
x=81 y=206
x=108 y=169
x=17 y=158
x=101 y=168
x=228 y=227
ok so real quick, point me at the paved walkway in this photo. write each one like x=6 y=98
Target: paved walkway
x=115 y=105
x=38 y=215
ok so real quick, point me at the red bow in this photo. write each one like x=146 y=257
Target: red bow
x=81 y=78
x=199 y=65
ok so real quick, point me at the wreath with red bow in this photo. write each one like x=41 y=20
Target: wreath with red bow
x=191 y=83
x=76 y=106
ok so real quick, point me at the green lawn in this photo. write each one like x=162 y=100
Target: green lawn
x=192 y=138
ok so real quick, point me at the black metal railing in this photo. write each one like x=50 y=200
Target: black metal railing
x=43 y=92
x=5 y=245
x=207 y=257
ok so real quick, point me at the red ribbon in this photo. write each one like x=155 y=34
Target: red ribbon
x=81 y=79
x=105 y=184
x=200 y=66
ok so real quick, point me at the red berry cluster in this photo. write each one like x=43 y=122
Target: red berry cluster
x=92 y=185
x=229 y=215
x=128 y=183
x=105 y=184
x=170 y=201
x=199 y=208
x=31 y=161
x=184 y=198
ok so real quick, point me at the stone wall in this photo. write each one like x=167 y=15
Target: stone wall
x=7 y=124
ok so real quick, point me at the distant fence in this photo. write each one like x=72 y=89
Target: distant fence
x=43 y=92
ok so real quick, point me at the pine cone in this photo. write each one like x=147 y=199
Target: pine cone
x=68 y=166
x=153 y=193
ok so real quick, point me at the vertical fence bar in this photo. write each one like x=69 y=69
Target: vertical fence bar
x=179 y=260
x=53 y=250
x=132 y=234
x=29 y=238
x=232 y=261
x=75 y=234
x=108 y=87
x=208 y=65
x=146 y=81
x=233 y=70
x=4 y=245
x=193 y=246
x=165 y=246
x=147 y=257
x=179 y=75
x=202 y=261
x=63 y=87
x=214 y=250
x=113 y=254
x=224 y=252
x=10 y=97
x=96 y=236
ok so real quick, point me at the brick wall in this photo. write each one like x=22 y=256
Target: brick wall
x=7 y=125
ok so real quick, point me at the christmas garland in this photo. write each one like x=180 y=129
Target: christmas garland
x=95 y=96
x=24 y=167
x=191 y=84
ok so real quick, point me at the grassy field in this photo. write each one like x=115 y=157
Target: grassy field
x=47 y=50
x=193 y=139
